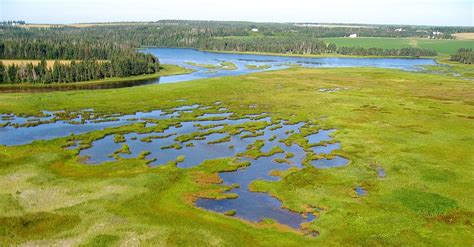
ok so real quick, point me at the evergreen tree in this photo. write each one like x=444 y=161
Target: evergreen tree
x=3 y=75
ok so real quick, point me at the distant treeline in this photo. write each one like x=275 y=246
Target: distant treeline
x=219 y=36
x=463 y=55
x=102 y=51
x=188 y=28
x=296 y=45
x=24 y=48
x=12 y=23
x=91 y=61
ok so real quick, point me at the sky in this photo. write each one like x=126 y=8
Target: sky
x=414 y=12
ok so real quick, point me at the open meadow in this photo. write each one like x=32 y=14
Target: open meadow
x=444 y=47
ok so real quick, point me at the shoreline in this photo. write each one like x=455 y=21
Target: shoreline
x=314 y=55
x=326 y=55
x=108 y=83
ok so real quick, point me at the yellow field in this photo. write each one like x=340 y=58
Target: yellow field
x=82 y=25
x=464 y=36
x=34 y=62
x=40 y=25
x=49 y=62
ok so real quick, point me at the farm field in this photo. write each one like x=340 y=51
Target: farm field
x=22 y=62
x=441 y=46
x=464 y=36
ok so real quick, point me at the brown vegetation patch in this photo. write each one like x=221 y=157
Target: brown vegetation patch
x=463 y=36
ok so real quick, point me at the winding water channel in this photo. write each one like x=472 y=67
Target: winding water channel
x=248 y=63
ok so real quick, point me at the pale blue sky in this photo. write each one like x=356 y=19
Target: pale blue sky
x=419 y=12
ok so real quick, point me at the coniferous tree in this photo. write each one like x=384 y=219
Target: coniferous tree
x=3 y=75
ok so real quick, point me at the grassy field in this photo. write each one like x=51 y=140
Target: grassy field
x=418 y=127
x=464 y=36
x=49 y=63
x=441 y=46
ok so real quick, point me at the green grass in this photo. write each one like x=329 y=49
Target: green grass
x=221 y=65
x=441 y=46
x=418 y=127
x=424 y=203
x=257 y=67
x=452 y=68
x=102 y=240
x=228 y=66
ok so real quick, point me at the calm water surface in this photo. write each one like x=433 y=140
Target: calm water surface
x=209 y=128
x=183 y=57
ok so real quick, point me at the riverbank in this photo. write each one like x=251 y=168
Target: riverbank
x=166 y=70
x=447 y=67
x=331 y=55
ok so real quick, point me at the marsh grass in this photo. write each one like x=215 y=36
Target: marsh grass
x=414 y=125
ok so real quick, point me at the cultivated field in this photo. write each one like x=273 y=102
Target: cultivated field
x=464 y=36
x=441 y=46
x=21 y=62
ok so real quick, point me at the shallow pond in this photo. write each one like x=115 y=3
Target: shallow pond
x=212 y=133
x=18 y=130
x=247 y=63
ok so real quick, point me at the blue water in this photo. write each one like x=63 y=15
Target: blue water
x=249 y=205
x=180 y=56
x=206 y=128
x=51 y=126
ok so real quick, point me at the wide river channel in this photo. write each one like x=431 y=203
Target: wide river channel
x=200 y=61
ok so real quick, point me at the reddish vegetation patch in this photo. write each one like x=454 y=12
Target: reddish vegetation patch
x=456 y=217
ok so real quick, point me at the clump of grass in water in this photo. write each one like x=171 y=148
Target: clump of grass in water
x=230 y=213
x=281 y=161
x=171 y=146
x=221 y=140
x=118 y=138
x=180 y=158
x=125 y=149
x=289 y=155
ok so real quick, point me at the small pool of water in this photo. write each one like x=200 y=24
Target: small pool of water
x=360 y=191
x=337 y=161
x=381 y=172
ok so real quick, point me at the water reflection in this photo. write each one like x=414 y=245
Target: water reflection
x=186 y=57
